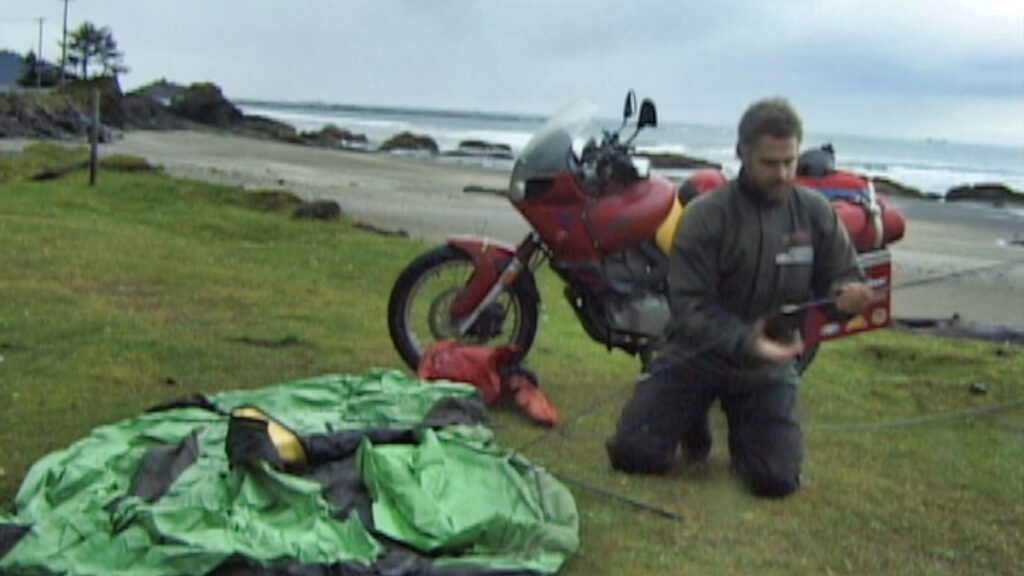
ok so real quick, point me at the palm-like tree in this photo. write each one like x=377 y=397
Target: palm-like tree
x=110 y=57
x=89 y=44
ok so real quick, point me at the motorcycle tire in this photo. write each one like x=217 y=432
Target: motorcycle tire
x=412 y=334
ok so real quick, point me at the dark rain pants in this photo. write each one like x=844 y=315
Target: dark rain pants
x=670 y=407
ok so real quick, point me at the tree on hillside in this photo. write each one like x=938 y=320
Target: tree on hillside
x=111 y=59
x=48 y=73
x=89 y=45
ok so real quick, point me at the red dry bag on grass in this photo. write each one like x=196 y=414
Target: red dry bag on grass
x=494 y=371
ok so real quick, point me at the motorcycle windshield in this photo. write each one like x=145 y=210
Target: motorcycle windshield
x=550 y=151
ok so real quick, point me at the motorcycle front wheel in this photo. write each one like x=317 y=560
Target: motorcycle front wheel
x=419 y=310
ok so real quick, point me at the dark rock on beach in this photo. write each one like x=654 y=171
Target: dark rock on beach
x=889 y=187
x=998 y=194
x=681 y=161
x=332 y=136
x=410 y=141
x=262 y=127
x=479 y=148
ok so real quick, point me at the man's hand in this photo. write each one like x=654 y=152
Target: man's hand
x=772 y=350
x=854 y=298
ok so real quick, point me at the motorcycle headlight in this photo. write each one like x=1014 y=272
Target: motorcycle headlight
x=642 y=166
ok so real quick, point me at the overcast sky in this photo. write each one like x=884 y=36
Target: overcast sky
x=917 y=68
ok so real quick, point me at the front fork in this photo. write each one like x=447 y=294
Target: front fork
x=497 y=267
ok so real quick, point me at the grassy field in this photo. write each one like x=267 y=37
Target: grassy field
x=145 y=288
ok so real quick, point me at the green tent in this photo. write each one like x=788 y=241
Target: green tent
x=377 y=473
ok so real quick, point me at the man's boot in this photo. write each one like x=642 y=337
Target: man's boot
x=697 y=441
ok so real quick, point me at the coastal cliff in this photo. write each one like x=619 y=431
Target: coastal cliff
x=65 y=113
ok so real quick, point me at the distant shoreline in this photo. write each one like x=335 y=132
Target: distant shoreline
x=499 y=115
x=484 y=138
x=468 y=114
x=311 y=115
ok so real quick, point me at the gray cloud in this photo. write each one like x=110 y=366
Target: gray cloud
x=851 y=64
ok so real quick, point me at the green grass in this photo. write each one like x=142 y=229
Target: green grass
x=145 y=288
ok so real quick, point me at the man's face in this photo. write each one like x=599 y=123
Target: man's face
x=770 y=164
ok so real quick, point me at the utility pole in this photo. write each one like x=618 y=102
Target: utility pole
x=39 y=55
x=64 y=43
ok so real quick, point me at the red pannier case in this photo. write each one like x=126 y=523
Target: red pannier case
x=878 y=266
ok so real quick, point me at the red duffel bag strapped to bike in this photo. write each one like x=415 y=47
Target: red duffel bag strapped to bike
x=494 y=371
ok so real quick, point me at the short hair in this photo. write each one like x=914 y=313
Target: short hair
x=773 y=117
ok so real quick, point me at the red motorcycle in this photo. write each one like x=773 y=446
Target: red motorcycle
x=605 y=224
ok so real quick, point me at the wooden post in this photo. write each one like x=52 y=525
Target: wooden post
x=39 y=55
x=94 y=137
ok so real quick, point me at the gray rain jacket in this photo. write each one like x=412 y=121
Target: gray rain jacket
x=738 y=257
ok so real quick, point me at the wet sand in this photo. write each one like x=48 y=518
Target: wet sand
x=425 y=198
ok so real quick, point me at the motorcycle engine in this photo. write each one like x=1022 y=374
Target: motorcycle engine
x=645 y=314
x=636 y=301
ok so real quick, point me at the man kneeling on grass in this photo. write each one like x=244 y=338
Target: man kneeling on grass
x=744 y=250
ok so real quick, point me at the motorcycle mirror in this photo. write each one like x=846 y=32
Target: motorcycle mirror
x=630 y=106
x=648 y=114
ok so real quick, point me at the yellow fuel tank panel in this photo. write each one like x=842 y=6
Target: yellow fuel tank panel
x=666 y=233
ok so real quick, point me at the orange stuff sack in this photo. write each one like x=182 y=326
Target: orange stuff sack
x=531 y=400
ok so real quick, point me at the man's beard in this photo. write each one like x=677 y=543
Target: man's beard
x=774 y=190
x=777 y=189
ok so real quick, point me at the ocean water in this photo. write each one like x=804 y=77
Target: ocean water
x=932 y=166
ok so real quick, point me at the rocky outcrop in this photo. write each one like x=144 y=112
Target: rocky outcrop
x=408 y=141
x=66 y=112
x=331 y=136
x=81 y=93
x=204 y=103
x=60 y=112
x=33 y=115
x=161 y=91
x=998 y=194
x=141 y=111
x=164 y=105
x=678 y=161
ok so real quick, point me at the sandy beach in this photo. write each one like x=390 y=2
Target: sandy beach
x=424 y=197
